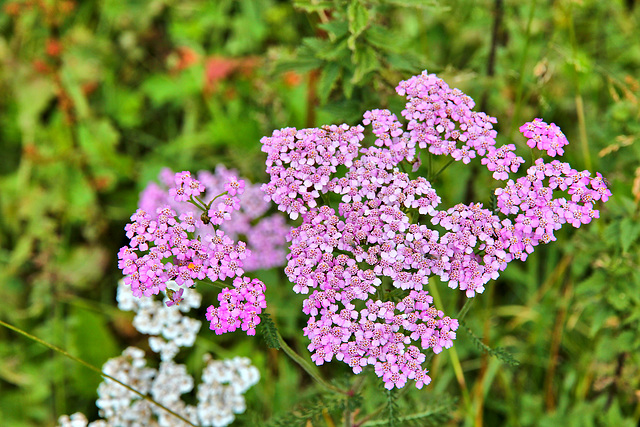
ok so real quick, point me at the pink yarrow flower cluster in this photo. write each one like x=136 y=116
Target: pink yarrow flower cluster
x=189 y=247
x=379 y=238
x=239 y=307
x=263 y=232
x=544 y=137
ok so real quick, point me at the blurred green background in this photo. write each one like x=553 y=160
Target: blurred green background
x=98 y=96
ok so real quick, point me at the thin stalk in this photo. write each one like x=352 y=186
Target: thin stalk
x=461 y=314
x=455 y=360
x=449 y=163
x=217 y=284
x=307 y=367
x=93 y=368
x=465 y=308
x=347 y=414
x=197 y=202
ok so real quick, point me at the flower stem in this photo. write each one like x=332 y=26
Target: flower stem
x=465 y=308
x=216 y=284
x=449 y=163
x=307 y=367
x=455 y=360
x=93 y=368
x=197 y=202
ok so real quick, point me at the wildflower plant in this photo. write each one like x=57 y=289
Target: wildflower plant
x=172 y=248
x=169 y=240
x=219 y=395
x=389 y=233
x=371 y=232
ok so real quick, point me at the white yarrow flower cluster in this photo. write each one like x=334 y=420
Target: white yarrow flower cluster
x=220 y=395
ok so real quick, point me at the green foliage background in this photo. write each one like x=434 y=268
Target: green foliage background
x=97 y=97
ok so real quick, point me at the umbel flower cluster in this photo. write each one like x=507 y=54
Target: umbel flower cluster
x=389 y=232
x=170 y=241
x=219 y=395
x=264 y=234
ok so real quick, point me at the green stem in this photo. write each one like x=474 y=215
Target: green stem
x=347 y=415
x=307 y=367
x=465 y=308
x=216 y=284
x=195 y=201
x=449 y=163
x=455 y=360
x=212 y=200
x=93 y=368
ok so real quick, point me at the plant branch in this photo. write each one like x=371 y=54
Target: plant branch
x=93 y=368
x=307 y=367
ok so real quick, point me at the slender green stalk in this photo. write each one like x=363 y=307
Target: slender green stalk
x=455 y=360
x=93 y=368
x=217 y=284
x=197 y=202
x=347 y=414
x=442 y=169
x=307 y=367
x=465 y=308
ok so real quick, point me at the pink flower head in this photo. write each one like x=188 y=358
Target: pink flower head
x=234 y=186
x=545 y=137
x=175 y=297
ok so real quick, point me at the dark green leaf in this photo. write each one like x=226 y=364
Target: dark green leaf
x=269 y=331
x=328 y=79
x=366 y=61
x=336 y=28
x=358 y=20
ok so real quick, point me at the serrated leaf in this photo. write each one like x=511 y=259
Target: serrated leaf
x=315 y=44
x=336 y=28
x=300 y=65
x=358 y=19
x=344 y=110
x=382 y=38
x=366 y=61
x=336 y=52
x=328 y=79
x=347 y=84
x=269 y=331
x=406 y=61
